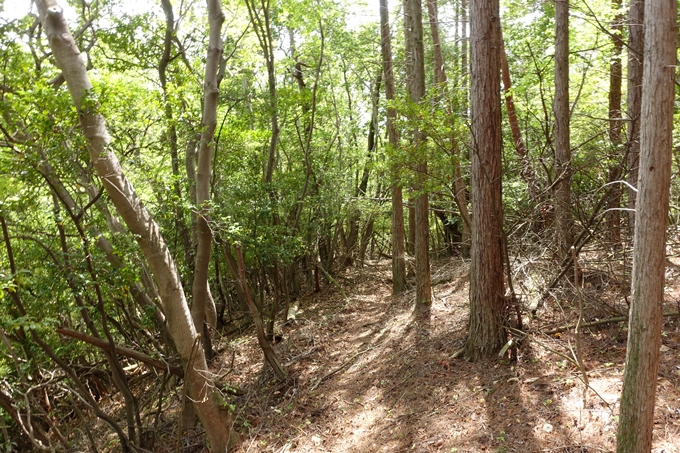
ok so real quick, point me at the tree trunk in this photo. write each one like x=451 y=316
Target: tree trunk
x=269 y=353
x=487 y=305
x=614 y=172
x=180 y=225
x=636 y=45
x=440 y=78
x=564 y=221
x=636 y=418
x=203 y=306
x=414 y=21
x=411 y=242
x=526 y=169
x=398 y=236
x=210 y=408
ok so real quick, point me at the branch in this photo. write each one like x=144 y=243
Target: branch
x=127 y=352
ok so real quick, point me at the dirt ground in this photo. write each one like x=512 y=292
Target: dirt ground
x=364 y=377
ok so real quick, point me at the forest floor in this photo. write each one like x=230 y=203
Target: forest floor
x=365 y=377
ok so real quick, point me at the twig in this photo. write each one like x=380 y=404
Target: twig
x=340 y=368
x=577 y=330
x=298 y=357
x=600 y=322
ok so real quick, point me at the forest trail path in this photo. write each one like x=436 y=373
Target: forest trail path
x=366 y=378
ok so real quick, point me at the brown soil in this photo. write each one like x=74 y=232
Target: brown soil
x=365 y=377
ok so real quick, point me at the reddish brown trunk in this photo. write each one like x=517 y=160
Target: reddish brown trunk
x=487 y=304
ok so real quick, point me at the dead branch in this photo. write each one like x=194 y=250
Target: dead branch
x=122 y=350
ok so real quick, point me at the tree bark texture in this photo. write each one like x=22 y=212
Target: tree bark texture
x=398 y=234
x=487 y=306
x=203 y=307
x=636 y=418
x=416 y=55
x=215 y=419
x=564 y=221
x=636 y=46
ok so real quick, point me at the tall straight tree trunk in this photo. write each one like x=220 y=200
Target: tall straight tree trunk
x=464 y=64
x=614 y=172
x=526 y=169
x=636 y=418
x=203 y=308
x=636 y=45
x=564 y=221
x=408 y=63
x=414 y=14
x=209 y=404
x=487 y=305
x=398 y=235
x=441 y=79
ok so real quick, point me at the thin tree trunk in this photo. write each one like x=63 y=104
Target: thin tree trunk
x=464 y=56
x=614 y=172
x=487 y=305
x=636 y=418
x=180 y=225
x=526 y=169
x=440 y=78
x=398 y=236
x=269 y=353
x=562 y=188
x=209 y=404
x=414 y=21
x=636 y=44
x=360 y=191
x=203 y=307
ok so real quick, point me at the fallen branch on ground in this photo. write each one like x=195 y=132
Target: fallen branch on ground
x=340 y=368
x=599 y=323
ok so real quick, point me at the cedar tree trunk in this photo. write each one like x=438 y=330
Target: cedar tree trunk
x=487 y=305
x=636 y=418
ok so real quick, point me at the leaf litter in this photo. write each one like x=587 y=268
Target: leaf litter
x=366 y=377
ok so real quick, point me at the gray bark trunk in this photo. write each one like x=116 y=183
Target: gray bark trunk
x=215 y=419
x=203 y=307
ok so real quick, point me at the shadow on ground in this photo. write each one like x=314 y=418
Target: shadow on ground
x=366 y=377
